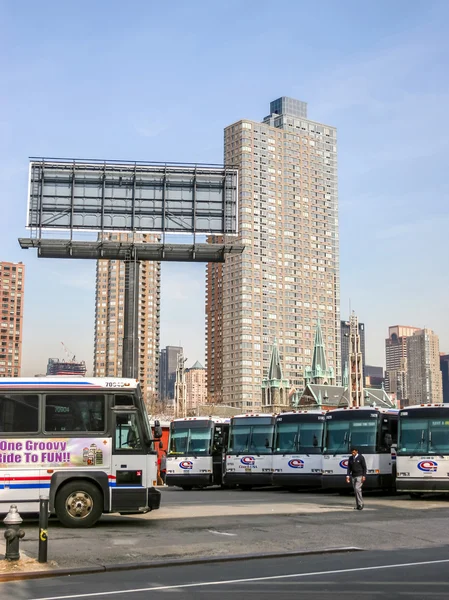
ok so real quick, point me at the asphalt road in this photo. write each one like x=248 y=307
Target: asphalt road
x=408 y=575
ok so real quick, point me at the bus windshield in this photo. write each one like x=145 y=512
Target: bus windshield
x=257 y=439
x=292 y=438
x=423 y=436
x=342 y=435
x=190 y=440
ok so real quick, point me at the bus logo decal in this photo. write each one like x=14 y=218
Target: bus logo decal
x=428 y=466
x=186 y=464
x=296 y=463
x=248 y=461
x=344 y=463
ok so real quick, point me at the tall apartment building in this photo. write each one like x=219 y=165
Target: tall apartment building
x=396 y=360
x=423 y=367
x=196 y=386
x=344 y=338
x=168 y=363
x=288 y=275
x=109 y=308
x=444 y=366
x=12 y=284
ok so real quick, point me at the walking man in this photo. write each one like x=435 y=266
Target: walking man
x=357 y=471
x=164 y=466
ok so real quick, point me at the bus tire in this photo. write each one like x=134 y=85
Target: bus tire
x=187 y=488
x=79 y=503
x=246 y=488
x=415 y=495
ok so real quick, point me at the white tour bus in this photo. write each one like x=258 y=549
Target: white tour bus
x=196 y=450
x=249 y=458
x=423 y=449
x=84 y=442
x=373 y=431
x=298 y=443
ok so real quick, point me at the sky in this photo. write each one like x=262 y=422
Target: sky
x=159 y=81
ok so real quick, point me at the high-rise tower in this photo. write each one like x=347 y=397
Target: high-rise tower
x=396 y=360
x=12 y=284
x=424 y=377
x=289 y=271
x=109 y=316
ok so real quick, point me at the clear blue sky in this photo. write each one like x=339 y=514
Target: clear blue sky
x=151 y=80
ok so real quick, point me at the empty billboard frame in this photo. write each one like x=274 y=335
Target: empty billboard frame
x=107 y=196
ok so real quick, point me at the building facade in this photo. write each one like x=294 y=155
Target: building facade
x=444 y=366
x=109 y=314
x=396 y=360
x=168 y=363
x=288 y=274
x=196 y=386
x=424 y=379
x=12 y=285
x=345 y=328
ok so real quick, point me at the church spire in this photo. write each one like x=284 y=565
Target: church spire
x=319 y=372
x=275 y=370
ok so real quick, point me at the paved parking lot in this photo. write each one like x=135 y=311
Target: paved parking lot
x=218 y=522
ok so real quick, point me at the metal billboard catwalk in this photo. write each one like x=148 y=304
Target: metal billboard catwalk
x=107 y=197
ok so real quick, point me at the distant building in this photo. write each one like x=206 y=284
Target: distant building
x=195 y=378
x=396 y=360
x=444 y=366
x=345 y=328
x=424 y=379
x=62 y=367
x=374 y=377
x=12 y=282
x=168 y=362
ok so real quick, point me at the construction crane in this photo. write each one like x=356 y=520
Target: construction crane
x=71 y=357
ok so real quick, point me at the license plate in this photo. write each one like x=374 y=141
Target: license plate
x=186 y=472
x=247 y=469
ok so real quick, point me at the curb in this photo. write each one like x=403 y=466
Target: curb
x=4 y=577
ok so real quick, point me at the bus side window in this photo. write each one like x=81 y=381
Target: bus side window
x=19 y=413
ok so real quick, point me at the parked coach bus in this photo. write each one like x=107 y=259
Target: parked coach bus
x=373 y=431
x=84 y=442
x=298 y=443
x=423 y=449
x=196 y=452
x=249 y=458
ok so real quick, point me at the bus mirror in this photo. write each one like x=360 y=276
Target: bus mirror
x=220 y=441
x=157 y=430
x=267 y=443
x=388 y=440
x=161 y=445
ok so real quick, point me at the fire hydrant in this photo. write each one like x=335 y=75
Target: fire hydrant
x=13 y=534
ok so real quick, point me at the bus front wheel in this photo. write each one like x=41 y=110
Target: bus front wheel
x=79 y=504
x=415 y=495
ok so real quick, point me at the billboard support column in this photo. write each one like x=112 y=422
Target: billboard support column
x=130 y=360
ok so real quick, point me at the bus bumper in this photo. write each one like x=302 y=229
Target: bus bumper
x=372 y=482
x=154 y=498
x=252 y=479
x=306 y=480
x=190 y=480
x=411 y=484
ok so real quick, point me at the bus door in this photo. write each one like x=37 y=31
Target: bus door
x=218 y=457
x=129 y=468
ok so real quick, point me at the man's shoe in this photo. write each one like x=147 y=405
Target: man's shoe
x=360 y=507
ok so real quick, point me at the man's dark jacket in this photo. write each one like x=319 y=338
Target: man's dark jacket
x=357 y=466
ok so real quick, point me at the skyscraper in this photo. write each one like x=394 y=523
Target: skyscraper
x=196 y=386
x=288 y=275
x=109 y=307
x=12 y=285
x=424 y=379
x=344 y=337
x=396 y=360
x=444 y=366
x=168 y=362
